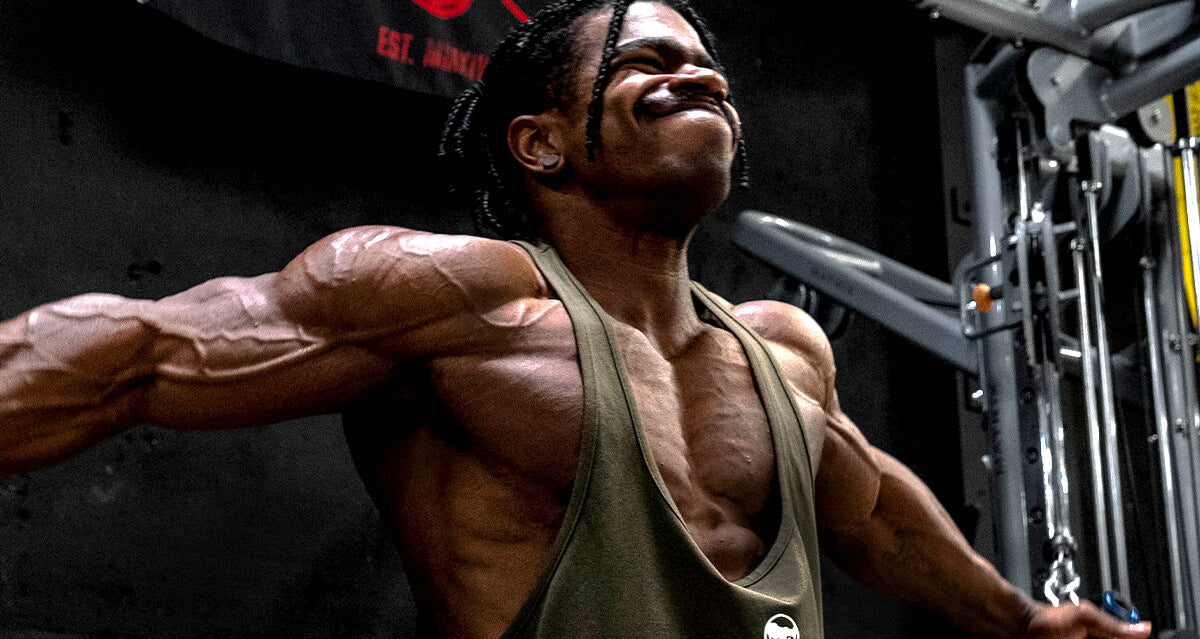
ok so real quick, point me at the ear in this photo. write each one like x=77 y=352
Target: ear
x=535 y=143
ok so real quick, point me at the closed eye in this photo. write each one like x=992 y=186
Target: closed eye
x=660 y=54
x=645 y=62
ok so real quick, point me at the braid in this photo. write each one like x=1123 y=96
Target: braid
x=528 y=74
x=595 y=109
x=742 y=173
x=456 y=142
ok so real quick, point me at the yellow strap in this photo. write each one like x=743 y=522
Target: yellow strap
x=1185 y=246
x=1193 y=99
x=1193 y=106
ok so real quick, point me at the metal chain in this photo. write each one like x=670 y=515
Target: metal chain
x=1063 y=581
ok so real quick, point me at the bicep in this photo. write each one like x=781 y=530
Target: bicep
x=849 y=474
x=328 y=327
x=865 y=495
x=242 y=351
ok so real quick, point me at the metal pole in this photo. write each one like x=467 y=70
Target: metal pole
x=1093 y=14
x=1181 y=383
x=1152 y=80
x=1107 y=402
x=1088 y=356
x=1015 y=20
x=1174 y=320
x=1163 y=428
x=1191 y=194
x=1056 y=476
x=1186 y=419
x=1062 y=582
x=837 y=275
x=996 y=361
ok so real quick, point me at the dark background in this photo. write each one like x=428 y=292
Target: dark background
x=138 y=158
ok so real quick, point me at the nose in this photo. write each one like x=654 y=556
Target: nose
x=691 y=78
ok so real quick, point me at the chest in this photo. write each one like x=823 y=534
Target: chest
x=518 y=400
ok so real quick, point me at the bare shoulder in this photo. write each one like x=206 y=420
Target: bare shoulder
x=788 y=328
x=798 y=344
x=370 y=276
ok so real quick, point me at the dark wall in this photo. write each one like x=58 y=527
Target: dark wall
x=139 y=159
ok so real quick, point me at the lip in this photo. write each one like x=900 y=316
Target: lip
x=659 y=108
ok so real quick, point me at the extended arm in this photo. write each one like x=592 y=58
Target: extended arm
x=233 y=351
x=895 y=537
x=881 y=524
x=886 y=528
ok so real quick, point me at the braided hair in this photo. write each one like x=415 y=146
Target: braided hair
x=529 y=74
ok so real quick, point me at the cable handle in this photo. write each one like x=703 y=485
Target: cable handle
x=1114 y=605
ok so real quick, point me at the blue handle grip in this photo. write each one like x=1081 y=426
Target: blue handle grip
x=1119 y=608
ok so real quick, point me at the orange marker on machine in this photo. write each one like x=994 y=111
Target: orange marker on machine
x=984 y=300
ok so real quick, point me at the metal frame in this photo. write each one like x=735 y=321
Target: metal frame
x=1074 y=26
x=1023 y=146
x=869 y=283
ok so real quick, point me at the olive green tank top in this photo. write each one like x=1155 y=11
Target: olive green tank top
x=624 y=563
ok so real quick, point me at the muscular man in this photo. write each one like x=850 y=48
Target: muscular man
x=567 y=437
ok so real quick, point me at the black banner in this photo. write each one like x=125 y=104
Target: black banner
x=432 y=46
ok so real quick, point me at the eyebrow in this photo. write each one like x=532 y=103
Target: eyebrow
x=663 y=44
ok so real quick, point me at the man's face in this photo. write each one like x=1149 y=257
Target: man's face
x=667 y=129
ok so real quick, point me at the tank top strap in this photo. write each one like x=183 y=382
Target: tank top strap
x=606 y=402
x=787 y=429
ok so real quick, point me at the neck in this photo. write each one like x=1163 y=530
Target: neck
x=639 y=277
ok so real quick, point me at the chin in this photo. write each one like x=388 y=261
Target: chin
x=704 y=179
x=681 y=203
x=706 y=139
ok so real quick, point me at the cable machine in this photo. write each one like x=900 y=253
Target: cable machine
x=1080 y=168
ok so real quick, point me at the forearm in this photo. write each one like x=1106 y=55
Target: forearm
x=223 y=354
x=66 y=380
x=911 y=549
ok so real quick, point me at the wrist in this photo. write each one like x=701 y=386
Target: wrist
x=1026 y=609
x=1006 y=614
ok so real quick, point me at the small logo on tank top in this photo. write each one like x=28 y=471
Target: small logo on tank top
x=781 y=626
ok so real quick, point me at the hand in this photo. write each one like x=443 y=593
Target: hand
x=1081 y=622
